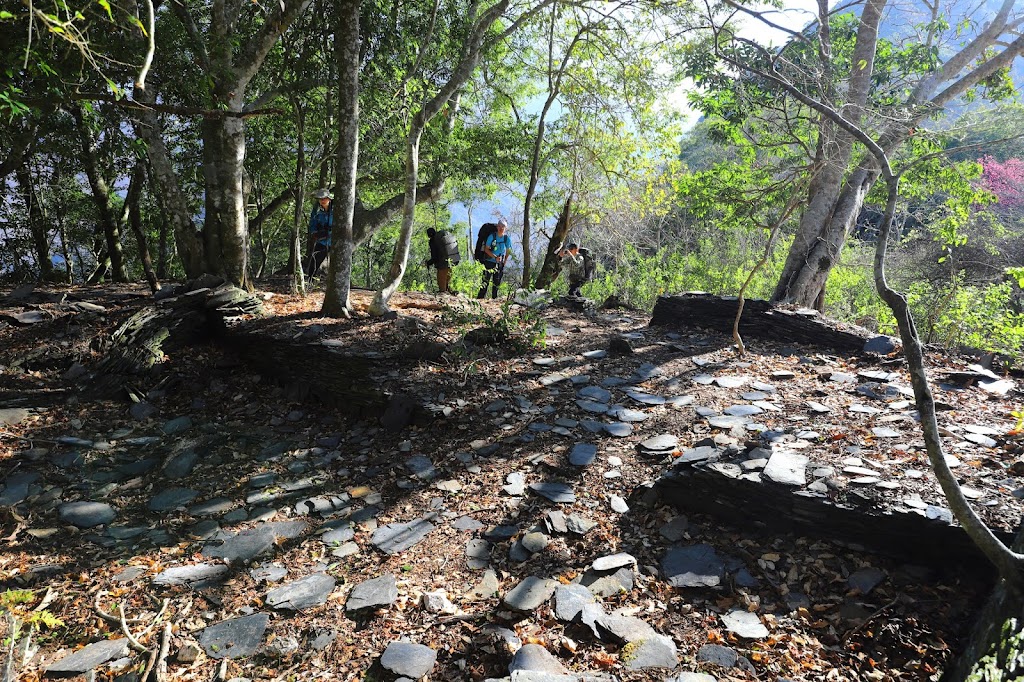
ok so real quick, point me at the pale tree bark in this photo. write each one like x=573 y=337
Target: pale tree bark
x=552 y=263
x=346 y=52
x=472 y=50
x=298 y=279
x=176 y=214
x=835 y=199
x=101 y=195
x=36 y=222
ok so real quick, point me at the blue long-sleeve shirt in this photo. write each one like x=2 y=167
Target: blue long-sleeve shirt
x=321 y=221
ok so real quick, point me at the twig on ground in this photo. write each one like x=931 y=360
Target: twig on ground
x=867 y=620
x=132 y=642
x=222 y=671
x=165 y=646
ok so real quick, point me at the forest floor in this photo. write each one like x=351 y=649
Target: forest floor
x=256 y=525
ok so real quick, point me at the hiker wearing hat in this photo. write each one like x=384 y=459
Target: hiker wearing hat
x=321 y=220
x=496 y=250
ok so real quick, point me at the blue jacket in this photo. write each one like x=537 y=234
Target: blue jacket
x=499 y=246
x=320 y=223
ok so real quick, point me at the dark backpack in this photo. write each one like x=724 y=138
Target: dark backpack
x=589 y=264
x=451 y=247
x=486 y=230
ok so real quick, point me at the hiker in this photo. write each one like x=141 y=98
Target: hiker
x=321 y=220
x=573 y=266
x=496 y=250
x=444 y=253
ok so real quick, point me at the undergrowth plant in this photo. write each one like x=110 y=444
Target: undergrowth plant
x=516 y=327
x=22 y=622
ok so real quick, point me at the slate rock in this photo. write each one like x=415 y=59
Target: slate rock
x=86 y=514
x=582 y=454
x=595 y=393
x=534 y=657
x=269 y=573
x=529 y=594
x=235 y=638
x=693 y=677
x=662 y=443
x=183 y=575
x=181 y=465
x=408 y=659
x=744 y=624
x=177 y=425
x=605 y=584
x=618 y=429
x=675 y=528
x=322 y=638
x=218 y=505
x=882 y=345
x=655 y=651
x=372 y=594
x=646 y=398
x=13 y=415
x=487 y=588
x=535 y=542
x=16 y=488
x=559 y=493
x=717 y=654
x=248 y=544
x=301 y=594
x=591 y=406
x=89 y=657
x=693 y=566
x=570 y=600
x=625 y=414
x=787 y=468
x=398 y=537
x=613 y=562
x=579 y=525
x=172 y=498
x=866 y=579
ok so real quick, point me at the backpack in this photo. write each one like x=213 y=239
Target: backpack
x=589 y=264
x=451 y=247
x=486 y=230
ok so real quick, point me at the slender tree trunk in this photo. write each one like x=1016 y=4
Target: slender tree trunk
x=552 y=263
x=346 y=51
x=101 y=196
x=298 y=280
x=36 y=222
x=135 y=221
x=176 y=213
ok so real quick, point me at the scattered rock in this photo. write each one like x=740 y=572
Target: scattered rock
x=744 y=624
x=693 y=566
x=534 y=657
x=88 y=658
x=301 y=594
x=235 y=638
x=398 y=537
x=530 y=594
x=408 y=659
x=372 y=594
x=86 y=514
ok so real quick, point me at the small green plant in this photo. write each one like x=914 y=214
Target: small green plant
x=22 y=622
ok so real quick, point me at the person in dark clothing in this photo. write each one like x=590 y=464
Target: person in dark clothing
x=321 y=220
x=497 y=249
x=444 y=253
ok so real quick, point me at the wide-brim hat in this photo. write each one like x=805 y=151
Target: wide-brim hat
x=323 y=193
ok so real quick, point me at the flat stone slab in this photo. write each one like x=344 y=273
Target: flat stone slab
x=664 y=442
x=530 y=594
x=570 y=600
x=172 y=498
x=613 y=562
x=618 y=429
x=373 y=594
x=86 y=514
x=727 y=421
x=16 y=488
x=693 y=566
x=13 y=415
x=595 y=393
x=246 y=545
x=591 y=406
x=744 y=624
x=655 y=651
x=582 y=454
x=559 y=493
x=301 y=594
x=183 y=575
x=787 y=468
x=535 y=658
x=625 y=414
x=88 y=658
x=408 y=660
x=646 y=398
x=398 y=537
x=235 y=638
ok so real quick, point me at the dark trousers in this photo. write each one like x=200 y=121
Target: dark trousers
x=492 y=275
x=316 y=258
x=575 y=285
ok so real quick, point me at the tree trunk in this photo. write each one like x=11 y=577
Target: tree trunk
x=36 y=222
x=346 y=50
x=226 y=226
x=135 y=221
x=552 y=263
x=298 y=280
x=101 y=195
x=176 y=211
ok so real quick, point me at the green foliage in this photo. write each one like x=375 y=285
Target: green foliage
x=1006 y=659
x=515 y=327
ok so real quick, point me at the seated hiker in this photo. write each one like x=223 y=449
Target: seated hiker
x=574 y=267
x=496 y=250
x=444 y=253
x=321 y=220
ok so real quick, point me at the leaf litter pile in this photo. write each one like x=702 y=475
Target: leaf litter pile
x=234 y=531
